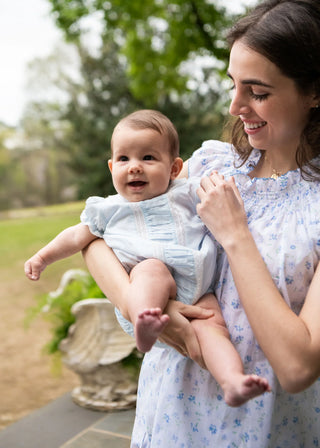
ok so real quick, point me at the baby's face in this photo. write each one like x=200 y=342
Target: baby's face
x=141 y=165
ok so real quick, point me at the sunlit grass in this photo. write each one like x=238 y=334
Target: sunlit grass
x=27 y=230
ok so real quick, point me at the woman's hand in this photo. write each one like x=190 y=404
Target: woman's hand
x=221 y=208
x=179 y=333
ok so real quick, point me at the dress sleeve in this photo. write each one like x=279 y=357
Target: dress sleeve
x=213 y=155
x=97 y=214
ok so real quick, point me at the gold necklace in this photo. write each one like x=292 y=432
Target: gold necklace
x=275 y=173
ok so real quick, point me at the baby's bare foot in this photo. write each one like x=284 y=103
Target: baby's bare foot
x=247 y=387
x=149 y=326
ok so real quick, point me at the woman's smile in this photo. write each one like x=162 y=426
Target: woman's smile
x=252 y=127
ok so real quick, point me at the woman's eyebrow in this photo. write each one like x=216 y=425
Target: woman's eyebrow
x=253 y=81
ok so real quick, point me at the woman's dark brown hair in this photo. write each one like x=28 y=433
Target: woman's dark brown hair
x=287 y=32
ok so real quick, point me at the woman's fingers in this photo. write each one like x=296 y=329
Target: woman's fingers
x=235 y=189
x=195 y=312
x=209 y=184
x=217 y=178
x=193 y=348
x=221 y=207
x=186 y=344
x=179 y=332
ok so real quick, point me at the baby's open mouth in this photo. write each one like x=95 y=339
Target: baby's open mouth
x=137 y=183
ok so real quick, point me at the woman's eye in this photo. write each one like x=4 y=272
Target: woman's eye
x=259 y=97
x=148 y=157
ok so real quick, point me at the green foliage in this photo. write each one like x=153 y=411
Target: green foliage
x=133 y=363
x=40 y=170
x=96 y=104
x=55 y=307
x=155 y=37
x=138 y=65
x=102 y=98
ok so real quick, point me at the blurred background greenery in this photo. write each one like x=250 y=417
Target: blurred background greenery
x=22 y=232
x=160 y=54
x=166 y=55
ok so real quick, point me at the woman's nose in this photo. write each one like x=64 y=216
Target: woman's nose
x=238 y=105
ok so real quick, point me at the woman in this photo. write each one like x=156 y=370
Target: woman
x=262 y=204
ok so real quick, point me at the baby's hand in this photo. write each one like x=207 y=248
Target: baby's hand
x=34 y=266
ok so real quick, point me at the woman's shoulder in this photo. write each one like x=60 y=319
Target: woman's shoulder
x=212 y=155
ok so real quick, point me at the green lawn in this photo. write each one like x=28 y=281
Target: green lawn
x=29 y=229
x=22 y=233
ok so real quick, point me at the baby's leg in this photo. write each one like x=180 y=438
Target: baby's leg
x=222 y=359
x=151 y=286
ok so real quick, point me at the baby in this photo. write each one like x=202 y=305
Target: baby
x=154 y=216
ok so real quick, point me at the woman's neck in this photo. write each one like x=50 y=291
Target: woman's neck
x=273 y=165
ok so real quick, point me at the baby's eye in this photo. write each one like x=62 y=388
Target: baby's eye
x=123 y=159
x=148 y=157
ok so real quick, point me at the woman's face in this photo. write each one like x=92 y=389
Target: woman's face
x=272 y=110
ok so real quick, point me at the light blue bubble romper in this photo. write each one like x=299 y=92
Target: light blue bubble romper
x=166 y=227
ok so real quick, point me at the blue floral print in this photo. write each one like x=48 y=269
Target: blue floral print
x=284 y=218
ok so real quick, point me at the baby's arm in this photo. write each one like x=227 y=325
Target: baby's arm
x=68 y=242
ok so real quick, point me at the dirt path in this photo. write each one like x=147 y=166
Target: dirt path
x=26 y=380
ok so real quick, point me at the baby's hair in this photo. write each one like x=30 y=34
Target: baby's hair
x=153 y=119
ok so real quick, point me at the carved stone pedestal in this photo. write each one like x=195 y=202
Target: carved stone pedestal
x=93 y=349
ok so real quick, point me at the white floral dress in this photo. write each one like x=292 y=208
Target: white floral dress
x=179 y=404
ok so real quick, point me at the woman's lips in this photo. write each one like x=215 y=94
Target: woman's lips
x=252 y=127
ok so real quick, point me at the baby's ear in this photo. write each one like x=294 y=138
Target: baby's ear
x=110 y=165
x=176 y=167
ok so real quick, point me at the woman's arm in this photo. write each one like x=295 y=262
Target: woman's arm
x=291 y=343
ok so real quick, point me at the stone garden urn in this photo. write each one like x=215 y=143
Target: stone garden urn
x=94 y=349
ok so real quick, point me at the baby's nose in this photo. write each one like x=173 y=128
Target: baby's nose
x=135 y=167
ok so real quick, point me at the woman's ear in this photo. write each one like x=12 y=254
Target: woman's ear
x=176 y=167
x=110 y=165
